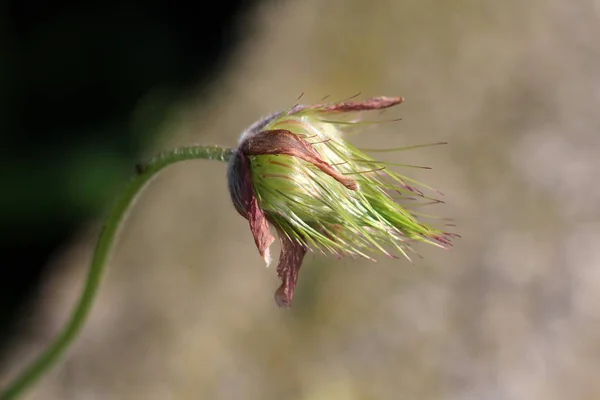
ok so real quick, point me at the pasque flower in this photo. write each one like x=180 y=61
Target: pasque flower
x=295 y=171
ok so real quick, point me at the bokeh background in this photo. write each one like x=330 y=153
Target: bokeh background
x=511 y=312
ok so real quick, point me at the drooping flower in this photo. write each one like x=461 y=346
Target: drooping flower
x=295 y=171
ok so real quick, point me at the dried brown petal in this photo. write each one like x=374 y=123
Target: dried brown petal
x=375 y=103
x=259 y=226
x=290 y=261
x=281 y=141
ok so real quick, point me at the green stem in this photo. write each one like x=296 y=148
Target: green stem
x=103 y=247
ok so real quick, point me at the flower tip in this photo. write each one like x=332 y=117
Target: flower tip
x=282 y=297
x=385 y=101
x=267 y=257
x=395 y=99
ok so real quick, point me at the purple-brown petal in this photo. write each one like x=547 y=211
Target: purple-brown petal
x=290 y=261
x=259 y=226
x=281 y=141
x=375 y=103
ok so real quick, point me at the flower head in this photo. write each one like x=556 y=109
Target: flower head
x=294 y=170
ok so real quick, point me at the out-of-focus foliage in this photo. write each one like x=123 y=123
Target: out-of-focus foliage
x=511 y=312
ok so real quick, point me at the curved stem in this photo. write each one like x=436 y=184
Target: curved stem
x=101 y=254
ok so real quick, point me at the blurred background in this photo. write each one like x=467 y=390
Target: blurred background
x=186 y=308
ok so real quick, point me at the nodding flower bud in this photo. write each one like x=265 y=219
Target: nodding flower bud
x=294 y=170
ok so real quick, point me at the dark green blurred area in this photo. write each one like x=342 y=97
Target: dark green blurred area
x=83 y=89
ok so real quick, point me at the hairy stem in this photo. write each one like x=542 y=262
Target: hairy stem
x=102 y=251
